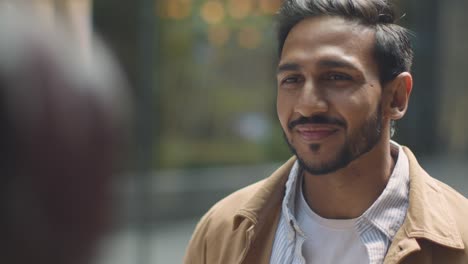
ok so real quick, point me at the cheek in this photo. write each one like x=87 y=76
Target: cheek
x=357 y=109
x=284 y=109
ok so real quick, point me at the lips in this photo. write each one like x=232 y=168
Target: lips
x=315 y=133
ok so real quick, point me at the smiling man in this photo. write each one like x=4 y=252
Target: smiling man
x=349 y=194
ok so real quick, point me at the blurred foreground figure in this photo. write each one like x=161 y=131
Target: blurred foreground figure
x=62 y=116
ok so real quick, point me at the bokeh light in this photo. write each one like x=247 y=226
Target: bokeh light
x=218 y=35
x=212 y=12
x=249 y=38
x=240 y=9
x=175 y=9
x=269 y=6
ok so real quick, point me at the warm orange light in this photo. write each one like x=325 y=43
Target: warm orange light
x=179 y=9
x=240 y=8
x=212 y=12
x=249 y=38
x=218 y=35
x=270 y=6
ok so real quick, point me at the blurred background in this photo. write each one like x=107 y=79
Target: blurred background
x=202 y=74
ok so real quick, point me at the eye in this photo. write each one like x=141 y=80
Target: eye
x=291 y=80
x=334 y=76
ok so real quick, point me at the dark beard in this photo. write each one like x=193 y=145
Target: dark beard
x=355 y=146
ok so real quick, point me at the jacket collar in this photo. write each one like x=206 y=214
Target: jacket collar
x=428 y=216
x=267 y=198
x=262 y=211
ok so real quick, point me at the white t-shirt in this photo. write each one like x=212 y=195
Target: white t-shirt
x=329 y=241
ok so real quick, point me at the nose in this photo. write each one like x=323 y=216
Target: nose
x=311 y=100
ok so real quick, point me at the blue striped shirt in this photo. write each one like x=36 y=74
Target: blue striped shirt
x=376 y=226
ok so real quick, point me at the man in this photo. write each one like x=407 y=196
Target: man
x=350 y=194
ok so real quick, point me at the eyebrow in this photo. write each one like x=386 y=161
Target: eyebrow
x=288 y=67
x=326 y=63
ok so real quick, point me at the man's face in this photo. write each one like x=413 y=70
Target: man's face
x=329 y=94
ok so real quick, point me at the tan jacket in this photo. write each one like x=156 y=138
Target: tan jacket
x=241 y=227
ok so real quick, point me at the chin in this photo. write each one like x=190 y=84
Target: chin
x=319 y=160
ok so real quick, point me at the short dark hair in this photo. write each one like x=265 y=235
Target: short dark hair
x=392 y=50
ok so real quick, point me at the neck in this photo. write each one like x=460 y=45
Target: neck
x=349 y=192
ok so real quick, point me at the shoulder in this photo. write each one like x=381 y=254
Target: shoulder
x=222 y=229
x=451 y=193
x=454 y=206
x=427 y=183
x=248 y=200
x=223 y=212
x=457 y=203
x=216 y=228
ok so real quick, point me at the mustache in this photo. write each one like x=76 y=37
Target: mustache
x=317 y=119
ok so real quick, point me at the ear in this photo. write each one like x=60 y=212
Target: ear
x=397 y=94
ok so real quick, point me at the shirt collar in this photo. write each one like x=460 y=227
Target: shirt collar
x=291 y=190
x=388 y=212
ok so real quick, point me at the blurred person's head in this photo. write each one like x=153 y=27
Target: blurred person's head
x=344 y=66
x=61 y=117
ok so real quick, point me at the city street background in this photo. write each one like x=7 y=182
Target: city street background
x=167 y=238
